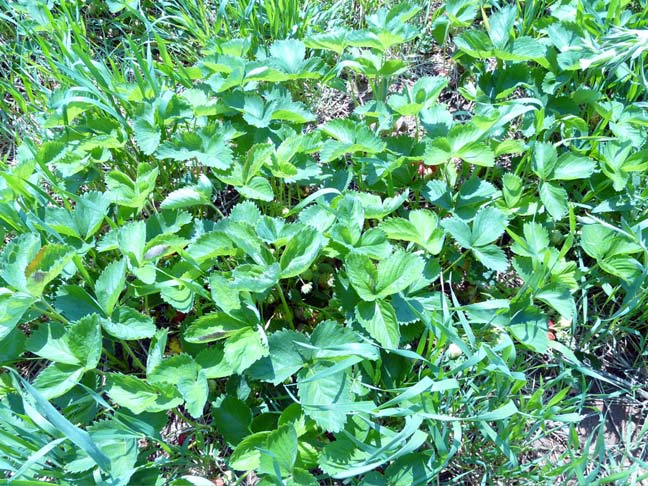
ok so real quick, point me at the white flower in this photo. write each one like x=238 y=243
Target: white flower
x=454 y=351
x=306 y=288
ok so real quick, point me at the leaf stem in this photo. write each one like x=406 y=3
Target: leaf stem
x=52 y=313
x=284 y=303
x=218 y=211
x=133 y=356
x=457 y=260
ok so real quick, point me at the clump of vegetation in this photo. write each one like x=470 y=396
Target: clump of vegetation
x=205 y=279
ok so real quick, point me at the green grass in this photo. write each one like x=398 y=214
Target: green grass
x=202 y=280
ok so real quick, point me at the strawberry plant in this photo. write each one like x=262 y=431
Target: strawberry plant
x=205 y=280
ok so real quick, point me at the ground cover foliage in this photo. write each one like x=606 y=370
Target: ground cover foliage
x=208 y=279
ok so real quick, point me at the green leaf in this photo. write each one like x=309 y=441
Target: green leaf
x=84 y=340
x=156 y=350
x=147 y=132
x=281 y=451
x=392 y=275
x=13 y=306
x=116 y=6
x=363 y=275
x=319 y=398
x=15 y=258
x=131 y=239
x=622 y=266
x=410 y=470
x=422 y=228
x=570 y=166
x=330 y=340
x=76 y=435
x=301 y=477
x=257 y=188
x=477 y=154
x=50 y=341
x=285 y=358
x=530 y=327
x=213 y=363
x=57 y=379
x=89 y=213
x=139 y=396
x=190 y=196
x=233 y=418
x=349 y=137
x=544 y=160
x=244 y=348
x=109 y=285
x=247 y=454
x=420 y=96
x=492 y=257
x=489 y=225
x=376 y=208
x=128 y=324
x=459 y=230
x=554 y=199
x=463 y=143
x=398 y=272
x=126 y=192
x=12 y=347
x=332 y=40
x=379 y=319
x=48 y=263
x=289 y=56
x=300 y=253
x=536 y=241
x=501 y=22
x=174 y=369
x=209 y=246
x=245 y=238
x=209 y=145
x=212 y=327
x=254 y=278
x=558 y=297
x=195 y=392
x=79 y=344
x=224 y=294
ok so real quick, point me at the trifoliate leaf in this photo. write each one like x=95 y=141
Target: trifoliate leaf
x=422 y=228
